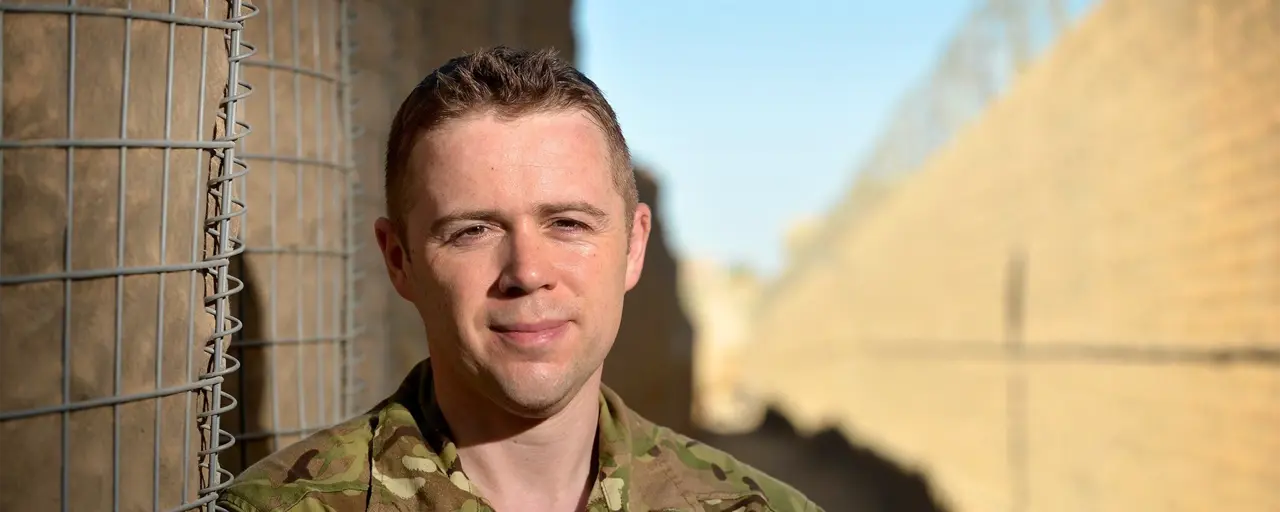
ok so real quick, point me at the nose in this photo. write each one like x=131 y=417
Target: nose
x=528 y=266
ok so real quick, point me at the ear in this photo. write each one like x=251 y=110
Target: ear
x=639 y=241
x=395 y=255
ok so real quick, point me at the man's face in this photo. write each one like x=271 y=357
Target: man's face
x=515 y=253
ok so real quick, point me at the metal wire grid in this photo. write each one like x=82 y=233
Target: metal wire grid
x=370 y=349
x=995 y=41
x=211 y=253
x=305 y=75
x=353 y=357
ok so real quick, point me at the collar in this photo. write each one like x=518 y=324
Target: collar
x=414 y=463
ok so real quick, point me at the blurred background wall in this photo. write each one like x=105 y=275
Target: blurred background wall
x=1072 y=305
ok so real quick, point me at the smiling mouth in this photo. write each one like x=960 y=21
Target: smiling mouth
x=531 y=334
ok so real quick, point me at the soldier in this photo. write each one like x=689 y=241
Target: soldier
x=513 y=226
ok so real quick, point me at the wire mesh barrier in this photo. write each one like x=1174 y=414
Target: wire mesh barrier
x=387 y=57
x=384 y=62
x=358 y=366
x=119 y=136
x=295 y=351
x=996 y=40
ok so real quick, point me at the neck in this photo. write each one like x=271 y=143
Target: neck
x=535 y=464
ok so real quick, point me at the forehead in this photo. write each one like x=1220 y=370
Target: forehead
x=483 y=161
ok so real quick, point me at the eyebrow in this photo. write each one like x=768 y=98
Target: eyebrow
x=475 y=215
x=549 y=209
x=543 y=210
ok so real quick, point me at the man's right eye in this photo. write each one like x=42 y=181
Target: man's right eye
x=471 y=232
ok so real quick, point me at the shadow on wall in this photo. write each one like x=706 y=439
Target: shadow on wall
x=651 y=367
x=249 y=385
x=834 y=472
x=651 y=364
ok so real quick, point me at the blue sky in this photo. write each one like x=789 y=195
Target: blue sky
x=752 y=113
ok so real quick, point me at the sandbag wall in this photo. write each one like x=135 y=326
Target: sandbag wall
x=118 y=223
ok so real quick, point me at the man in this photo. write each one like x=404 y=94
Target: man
x=514 y=228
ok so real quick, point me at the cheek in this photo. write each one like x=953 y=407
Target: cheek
x=576 y=260
x=457 y=283
x=600 y=269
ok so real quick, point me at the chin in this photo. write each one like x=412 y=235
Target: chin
x=535 y=403
x=534 y=390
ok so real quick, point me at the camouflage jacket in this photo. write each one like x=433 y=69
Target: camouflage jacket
x=398 y=457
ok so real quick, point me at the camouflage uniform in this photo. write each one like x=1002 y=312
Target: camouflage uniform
x=398 y=457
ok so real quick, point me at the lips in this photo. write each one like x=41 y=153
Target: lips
x=531 y=334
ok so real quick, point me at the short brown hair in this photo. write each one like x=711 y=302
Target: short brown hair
x=508 y=83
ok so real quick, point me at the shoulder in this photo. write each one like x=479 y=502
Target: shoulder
x=668 y=461
x=712 y=472
x=322 y=472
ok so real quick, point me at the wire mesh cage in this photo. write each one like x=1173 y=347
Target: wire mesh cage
x=119 y=221
x=296 y=347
